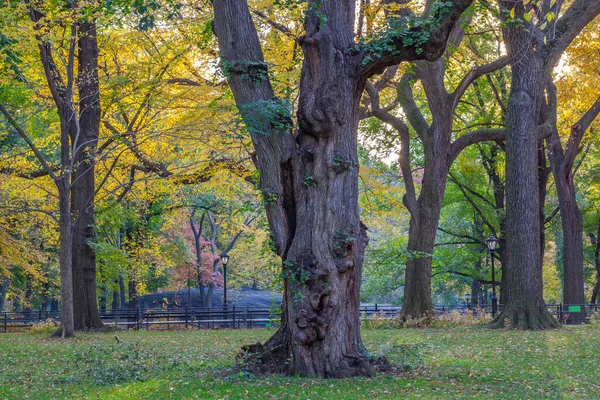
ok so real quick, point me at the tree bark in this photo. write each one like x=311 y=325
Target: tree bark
x=83 y=186
x=524 y=307
x=310 y=181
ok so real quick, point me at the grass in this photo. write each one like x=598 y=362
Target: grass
x=460 y=363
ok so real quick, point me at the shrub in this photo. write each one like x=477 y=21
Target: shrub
x=447 y=320
x=47 y=327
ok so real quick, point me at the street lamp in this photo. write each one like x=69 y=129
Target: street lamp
x=189 y=280
x=468 y=299
x=224 y=260
x=491 y=245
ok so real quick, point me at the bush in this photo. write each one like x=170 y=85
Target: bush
x=447 y=320
x=47 y=327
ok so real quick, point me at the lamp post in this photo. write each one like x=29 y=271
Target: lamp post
x=491 y=245
x=468 y=300
x=224 y=260
x=188 y=285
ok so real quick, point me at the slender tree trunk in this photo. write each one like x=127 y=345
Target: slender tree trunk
x=3 y=289
x=572 y=227
x=66 y=256
x=103 y=299
x=597 y=265
x=115 y=304
x=122 y=299
x=28 y=303
x=44 y=297
x=133 y=295
x=83 y=186
x=524 y=307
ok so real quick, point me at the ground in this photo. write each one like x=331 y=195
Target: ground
x=459 y=363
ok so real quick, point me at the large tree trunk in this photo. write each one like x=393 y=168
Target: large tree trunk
x=525 y=307
x=425 y=215
x=318 y=189
x=83 y=187
x=310 y=181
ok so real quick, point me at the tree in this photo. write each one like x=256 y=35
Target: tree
x=207 y=270
x=534 y=49
x=310 y=179
x=439 y=150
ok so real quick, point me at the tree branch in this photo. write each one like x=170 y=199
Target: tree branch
x=427 y=36
x=568 y=26
x=480 y=135
x=474 y=74
x=49 y=170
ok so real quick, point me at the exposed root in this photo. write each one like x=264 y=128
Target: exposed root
x=522 y=318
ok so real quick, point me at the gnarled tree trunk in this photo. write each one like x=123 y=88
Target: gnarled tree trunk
x=310 y=180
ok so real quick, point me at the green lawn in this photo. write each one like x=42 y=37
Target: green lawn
x=459 y=363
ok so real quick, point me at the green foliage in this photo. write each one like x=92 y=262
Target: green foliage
x=264 y=117
x=411 y=31
x=310 y=181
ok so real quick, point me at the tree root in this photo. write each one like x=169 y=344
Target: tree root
x=522 y=318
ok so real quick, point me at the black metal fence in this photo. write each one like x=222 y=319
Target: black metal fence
x=234 y=317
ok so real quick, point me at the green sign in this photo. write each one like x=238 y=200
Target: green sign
x=574 y=308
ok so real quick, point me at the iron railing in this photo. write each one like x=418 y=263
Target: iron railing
x=235 y=317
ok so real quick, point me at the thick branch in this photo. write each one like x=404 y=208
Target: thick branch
x=480 y=135
x=410 y=198
x=424 y=40
x=577 y=132
x=407 y=101
x=579 y=14
x=26 y=138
